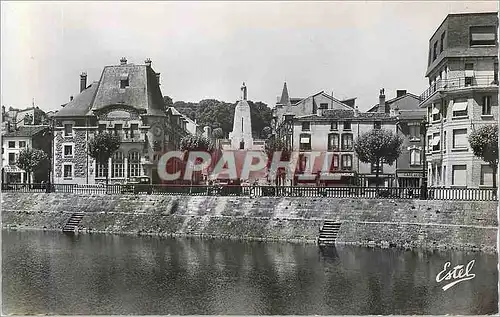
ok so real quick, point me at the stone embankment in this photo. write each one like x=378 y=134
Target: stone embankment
x=470 y=225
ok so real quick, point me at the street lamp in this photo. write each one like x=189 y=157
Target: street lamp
x=423 y=185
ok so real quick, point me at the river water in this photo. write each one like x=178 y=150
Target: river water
x=51 y=273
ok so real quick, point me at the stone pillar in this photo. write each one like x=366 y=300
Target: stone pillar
x=125 y=167
x=110 y=166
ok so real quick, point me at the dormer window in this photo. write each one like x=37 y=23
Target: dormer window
x=124 y=83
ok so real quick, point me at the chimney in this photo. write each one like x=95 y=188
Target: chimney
x=83 y=81
x=123 y=61
x=381 y=101
x=157 y=77
x=70 y=98
x=400 y=93
x=147 y=62
x=356 y=112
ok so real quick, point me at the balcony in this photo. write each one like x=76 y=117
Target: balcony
x=137 y=138
x=458 y=83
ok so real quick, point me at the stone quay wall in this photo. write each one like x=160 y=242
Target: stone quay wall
x=470 y=225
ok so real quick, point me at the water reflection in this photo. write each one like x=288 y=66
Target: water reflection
x=99 y=274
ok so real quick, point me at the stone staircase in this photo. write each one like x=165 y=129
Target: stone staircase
x=72 y=225
x=328 y=233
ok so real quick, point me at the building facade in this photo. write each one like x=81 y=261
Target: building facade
x=462 y=96
x=13 y=142
x=321 y=123
x=128 y=102
x=410 y=117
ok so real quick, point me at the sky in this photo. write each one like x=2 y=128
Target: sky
x=207 y=49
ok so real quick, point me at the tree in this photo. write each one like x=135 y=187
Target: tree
x=273 y=145
x=30 y=160
x=484 y=144
x=196 y=143
x=218 y=133
x=266 y=132
x=377 y=146
x=168 y=102
x=102 y=146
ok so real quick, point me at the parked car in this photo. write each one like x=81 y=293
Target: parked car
x=138 y=185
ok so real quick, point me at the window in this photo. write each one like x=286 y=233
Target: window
x=460 y=108
x=436 y=142
x=12 y=144
x=242 y=145
x=346 y=142
x=495 y=73
x=306 y=126
x=459 y=175
x=414 y=132
x=469 y=74
x=117 y=162
x=12 y=159
x=68 y=150
x=334 y=126
x=441 y=46
x=333 y=142
x=482 y=35
x=323 y=106
x=486 y=176
x=347 y=162
x=118 y=129
x=415 y=156
x=460 y=139
x=429 y=143
x=377 y=125
x=486 y=106
x=68 y=129
x=334 y=166
x=347 y=125
x=22 y=144
x=134 y=130
x=305 y=142
x=68 y=171
x=134 y=164
x=101 y=170
x=435 y=48
x=102 y=128
x=373 y=168
x=436 y=112
x=124 y=83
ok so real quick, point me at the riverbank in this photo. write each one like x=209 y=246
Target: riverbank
x=465 y=225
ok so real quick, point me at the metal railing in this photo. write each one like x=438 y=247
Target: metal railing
x=459 y=82
x=433 y=193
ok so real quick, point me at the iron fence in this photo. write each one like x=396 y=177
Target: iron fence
x=433 y=193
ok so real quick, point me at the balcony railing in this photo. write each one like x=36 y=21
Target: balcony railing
x=134 y=138
x=459 y=82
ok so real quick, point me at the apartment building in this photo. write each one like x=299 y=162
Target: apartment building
x=462 y=96
x=13 y=142
x=321 y=123
x=128 y=102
